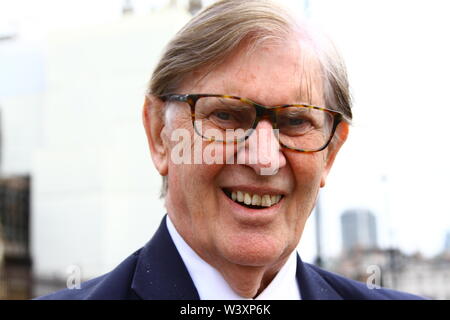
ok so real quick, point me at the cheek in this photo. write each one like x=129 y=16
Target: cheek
x=194 y=184
x=308 y=168
x=192 y=180
x=193 y=162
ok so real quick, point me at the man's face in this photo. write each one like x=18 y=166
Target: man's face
x=222 y=230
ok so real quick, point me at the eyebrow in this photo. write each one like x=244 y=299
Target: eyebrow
x=299 y=98
x=302 y=95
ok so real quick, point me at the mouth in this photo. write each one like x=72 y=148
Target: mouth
x=253 y=200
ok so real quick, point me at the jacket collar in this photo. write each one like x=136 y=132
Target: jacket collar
x=160 y=274
x=312 y=285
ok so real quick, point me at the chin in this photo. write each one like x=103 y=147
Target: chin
x=254 y=250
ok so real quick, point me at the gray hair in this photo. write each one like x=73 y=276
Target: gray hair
x=212 y=35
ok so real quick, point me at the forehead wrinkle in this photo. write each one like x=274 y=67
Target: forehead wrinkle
x=307 y=70
x=308 y=87
x=306 y=90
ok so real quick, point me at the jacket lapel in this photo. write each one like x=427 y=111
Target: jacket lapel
x=312 y=285
x=160 y=272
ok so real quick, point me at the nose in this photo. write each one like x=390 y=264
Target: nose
x=261 y=150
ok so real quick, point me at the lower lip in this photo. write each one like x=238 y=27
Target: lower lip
x=253 y=216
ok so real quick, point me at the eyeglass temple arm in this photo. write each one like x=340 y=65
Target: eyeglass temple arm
x=175 y=97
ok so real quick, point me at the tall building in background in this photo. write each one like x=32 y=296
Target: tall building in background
x=1 y=140
x=20 y=92
x=358 y=230
x=447 y=242
x=15 y=255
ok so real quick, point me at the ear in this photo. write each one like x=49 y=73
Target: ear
x=340 y=137
x=153 y=118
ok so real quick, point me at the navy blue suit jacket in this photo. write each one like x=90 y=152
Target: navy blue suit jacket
x=157 y=271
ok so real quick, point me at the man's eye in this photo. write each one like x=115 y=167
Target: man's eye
x=297 y=121
x=296 y=126
x=222 y=115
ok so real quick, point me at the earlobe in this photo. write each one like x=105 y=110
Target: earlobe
x=153 y=120
x=339 y=139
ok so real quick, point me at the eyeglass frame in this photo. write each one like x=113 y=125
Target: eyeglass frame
x=262 y=112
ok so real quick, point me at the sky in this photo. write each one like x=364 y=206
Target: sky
x=395 y=161
x=396 y=158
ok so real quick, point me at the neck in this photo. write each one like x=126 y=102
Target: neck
x=248 y=281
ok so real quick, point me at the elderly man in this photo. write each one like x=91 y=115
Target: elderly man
x=245 y=114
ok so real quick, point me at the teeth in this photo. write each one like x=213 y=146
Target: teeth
x=265 y=202
x=247 y=199
x=255 y=199
x=273 y=198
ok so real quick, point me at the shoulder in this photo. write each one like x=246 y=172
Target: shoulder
x=155 y=271
x=354 y=290
x=114 y=285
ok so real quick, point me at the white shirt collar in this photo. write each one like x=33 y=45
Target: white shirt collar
x=212 y=286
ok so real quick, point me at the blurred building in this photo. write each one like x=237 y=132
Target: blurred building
x=17 y=61
x=363 y=261
x=95 y=192
x=447 y=242
x=194 y=6
x=15 y=255
x=428 y=277
x=21 y=99
x=358 y=230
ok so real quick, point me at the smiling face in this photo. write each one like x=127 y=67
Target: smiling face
x=211 y=204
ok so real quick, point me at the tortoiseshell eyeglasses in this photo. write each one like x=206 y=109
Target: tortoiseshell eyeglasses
x=231 y=119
